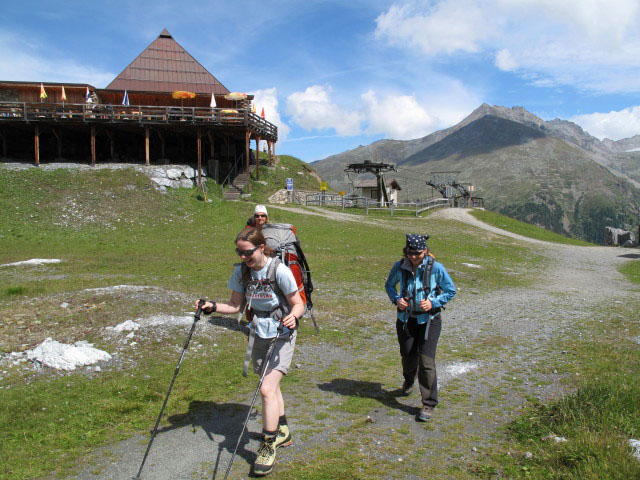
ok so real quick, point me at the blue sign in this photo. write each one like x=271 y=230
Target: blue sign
x=289 y=184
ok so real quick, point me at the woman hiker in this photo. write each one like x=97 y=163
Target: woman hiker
x=260 y=217
x=271 y=292
x=425 y=287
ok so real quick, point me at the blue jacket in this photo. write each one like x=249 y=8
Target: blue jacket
x=439 y=278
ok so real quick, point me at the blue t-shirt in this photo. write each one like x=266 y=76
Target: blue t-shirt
x=261 y=297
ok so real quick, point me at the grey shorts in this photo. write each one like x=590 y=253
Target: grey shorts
x=282 y=355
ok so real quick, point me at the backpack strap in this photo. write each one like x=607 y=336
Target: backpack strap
x=277 y=313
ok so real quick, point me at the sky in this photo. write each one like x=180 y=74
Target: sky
x=335 y=74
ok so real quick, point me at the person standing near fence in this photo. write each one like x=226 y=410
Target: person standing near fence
x=425 y=287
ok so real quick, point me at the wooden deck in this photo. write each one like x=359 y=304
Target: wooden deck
x=21 y=112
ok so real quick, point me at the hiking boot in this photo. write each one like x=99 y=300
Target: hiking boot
x=407 y=388
x=424 y=414
x=266 y=456
x=284 y=436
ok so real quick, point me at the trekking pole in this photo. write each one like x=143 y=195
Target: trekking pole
x=265 y=364
x=196 y=317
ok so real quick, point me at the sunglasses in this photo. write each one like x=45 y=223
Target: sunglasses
x=414 y=254
x=246 y=253
x=260 y=215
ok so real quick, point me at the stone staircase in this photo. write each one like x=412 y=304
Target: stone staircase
x=234 y=190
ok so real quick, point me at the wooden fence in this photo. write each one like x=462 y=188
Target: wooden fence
x=335 y=200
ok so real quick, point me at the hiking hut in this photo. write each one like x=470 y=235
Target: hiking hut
x=94 y=125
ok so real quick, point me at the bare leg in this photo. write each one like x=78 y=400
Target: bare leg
x=272 y=401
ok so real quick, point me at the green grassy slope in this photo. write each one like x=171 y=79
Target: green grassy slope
x=112 y=228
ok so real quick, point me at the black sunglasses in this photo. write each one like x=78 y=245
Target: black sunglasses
x=260 y=215
x=412 y=253
x=246 y=253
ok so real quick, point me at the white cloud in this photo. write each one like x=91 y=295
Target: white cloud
x=26 y=61
x=396 y=116
x=268 y=99
x=505 y=61
x=591 y=44
x=314 y=110
x=443 y=27
x=614 y=125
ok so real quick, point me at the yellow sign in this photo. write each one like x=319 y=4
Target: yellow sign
x=341 y=193
x=323 y=186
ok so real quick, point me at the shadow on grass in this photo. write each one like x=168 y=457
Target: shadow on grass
x=219 y=419
x=373 y=390
x=230 y=323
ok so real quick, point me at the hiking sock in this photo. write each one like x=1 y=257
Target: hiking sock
x=284 y=435
x=266 y=456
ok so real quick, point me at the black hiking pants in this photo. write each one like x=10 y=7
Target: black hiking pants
x=419 y=356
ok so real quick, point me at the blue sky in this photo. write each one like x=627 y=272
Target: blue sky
x=337 y=74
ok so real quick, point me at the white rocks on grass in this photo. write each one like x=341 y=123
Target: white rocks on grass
x=126 y=326
x=554 y=438
x=173 y=176
x=458 y=369
x=165 y=320
x=635 y=446
x=60 y=356
x=471 y=265
x=117 y=288
x=33 y=261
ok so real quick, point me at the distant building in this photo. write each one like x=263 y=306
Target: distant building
x=369 y=188
x=155 y=124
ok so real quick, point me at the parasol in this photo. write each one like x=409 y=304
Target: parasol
x=236 y=96
x=182 y=94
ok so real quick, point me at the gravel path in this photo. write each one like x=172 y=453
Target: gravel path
x=495 y=351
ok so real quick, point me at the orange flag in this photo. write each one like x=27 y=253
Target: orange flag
x=262 y=113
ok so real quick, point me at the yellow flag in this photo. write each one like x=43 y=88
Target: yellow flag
x=43 y=94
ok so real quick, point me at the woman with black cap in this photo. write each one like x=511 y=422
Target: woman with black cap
x=425 y=287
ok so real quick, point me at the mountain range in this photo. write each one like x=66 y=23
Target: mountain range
x=548 y=173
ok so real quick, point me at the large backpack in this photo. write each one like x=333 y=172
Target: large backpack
x=283 y=239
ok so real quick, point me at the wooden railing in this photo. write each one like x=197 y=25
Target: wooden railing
x=102 y=113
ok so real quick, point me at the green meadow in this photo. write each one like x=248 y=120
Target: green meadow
x=113 y=228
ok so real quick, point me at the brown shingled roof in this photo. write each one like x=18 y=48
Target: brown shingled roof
x=164 y=66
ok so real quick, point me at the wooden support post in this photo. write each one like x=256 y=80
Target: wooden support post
x=257 y=158
x=146 y=146
x=199 y=157
x=93 y=146
x=36 y=141
x=4 y=145
x=59 y=140
x=247 y=139
x=248 y=162
x=112 y=145
x=212 y=145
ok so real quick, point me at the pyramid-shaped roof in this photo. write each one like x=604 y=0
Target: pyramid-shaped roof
x=164 y=66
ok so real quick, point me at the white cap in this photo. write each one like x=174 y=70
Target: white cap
x=260 y=209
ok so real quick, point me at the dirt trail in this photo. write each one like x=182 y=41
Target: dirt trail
x=494 y=351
